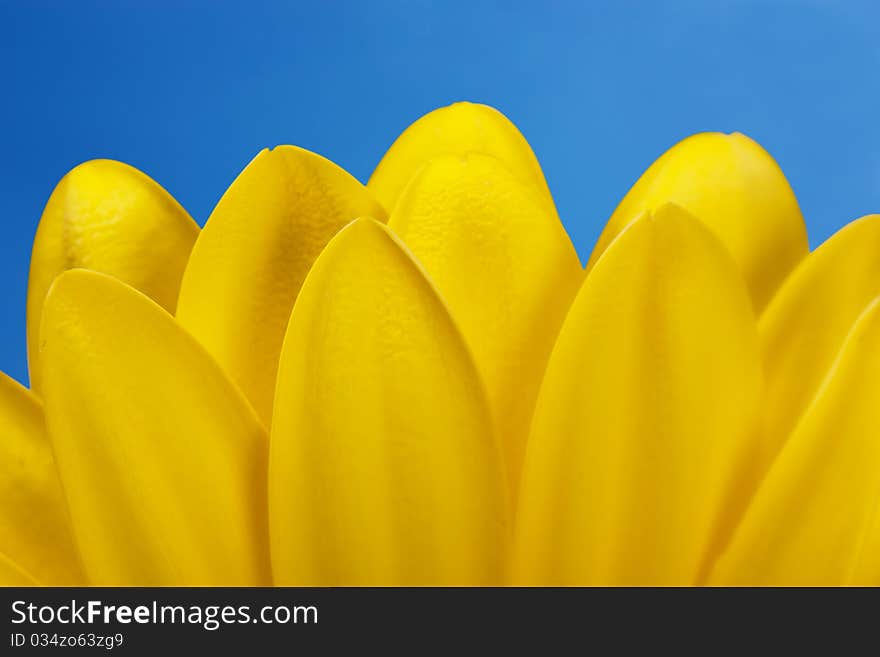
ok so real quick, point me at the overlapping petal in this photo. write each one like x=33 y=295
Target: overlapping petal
x=458 y=129
x=816 y=518
x=162 y=460
x=35 y=536
x=506 y=268
x=451 y=398
x=11 y=574
x=642 y=441
x=383 y=465
x=250 y=260
x=108 y=217
x=736 y=189
x=804 y=327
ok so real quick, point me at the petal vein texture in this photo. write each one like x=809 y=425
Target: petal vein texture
x=162 y=459
x=383 y=465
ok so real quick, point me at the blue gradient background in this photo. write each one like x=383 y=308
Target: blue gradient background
x=190 y=91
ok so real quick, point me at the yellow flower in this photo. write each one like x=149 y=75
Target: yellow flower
x=416 y=382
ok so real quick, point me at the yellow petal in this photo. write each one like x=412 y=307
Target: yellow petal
x=11 y=574
x=736 y=189
x=253 y=254
x=162 y=459
x=816 y=517
x=804 y=327
x=35 y=540
x=642 y=429
x=458 y=129
x=108 y=217
x=505 y=267
x=383 y=467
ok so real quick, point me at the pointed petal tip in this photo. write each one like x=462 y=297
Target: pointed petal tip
x=626 y=405
x=736 y=188
x=805 y=325
x=467 y=218
x=814 y=519
x=457 y=128
x=158 y=416
x=373 y=362
x=255 y=251
x=108 y=216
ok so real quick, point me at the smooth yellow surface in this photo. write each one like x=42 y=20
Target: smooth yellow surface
x=253 y=254
x=804 y=327
x=507 y=270
x=108 y=217
x=641 y=449
x=736 y=189
x=35 y=539
x=816 y=518
x=458 y=129
x=383 y=467
x=11 y=574
x=162 y=459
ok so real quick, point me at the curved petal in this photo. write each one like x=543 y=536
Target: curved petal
x=253 y=254
x=641 y=446
x=35 y=540
x=816 y=517
x=804 y=327
x=11 y=574
x=108 y=217
x=458 y=129
x=162 y=459
x=383 y=467
x=736 y=188
x=505 y=267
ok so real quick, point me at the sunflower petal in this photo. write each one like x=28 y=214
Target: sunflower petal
x=253 y=254
x=383 y=468
x=816 y=518
x=35 y=540
x=458 y=129
x=642 y=428
x=162 y=459
x=736 y=188
x=804 y=327
x=505 y=267
x=108 y=217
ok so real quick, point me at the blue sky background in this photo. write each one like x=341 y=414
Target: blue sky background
x=189 y=91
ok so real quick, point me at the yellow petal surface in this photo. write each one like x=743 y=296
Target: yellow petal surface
x=383 y=467
x=162 y=459
x=108 y=217
x=816 y=518
x=36 y=546
x=11 y=574
x=506 y=268
x=641 y=444
x=458 y=129
x=736 y=189
x=804 y=327
x=253 y=254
